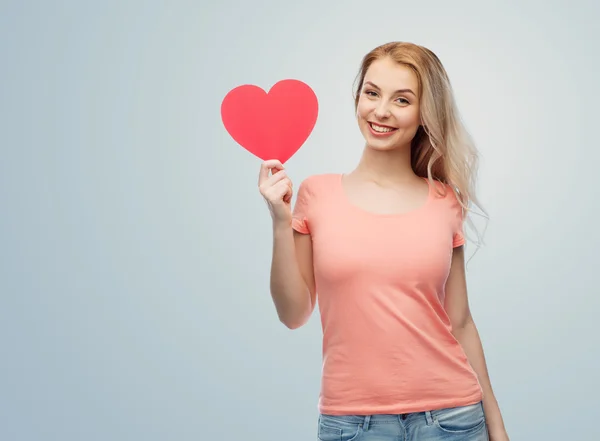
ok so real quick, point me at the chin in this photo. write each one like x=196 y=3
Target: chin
x=383 y=147
x=375 y=143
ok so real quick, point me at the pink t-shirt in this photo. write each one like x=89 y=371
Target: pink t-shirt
x=387 y=341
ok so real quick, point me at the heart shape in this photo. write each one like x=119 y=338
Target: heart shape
x=271 y=125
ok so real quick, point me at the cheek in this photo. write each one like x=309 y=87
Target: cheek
x=408 y=118
x=363 y=109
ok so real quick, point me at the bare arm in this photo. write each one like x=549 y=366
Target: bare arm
x=292 y=278
x=465 y=331
x=292 y=281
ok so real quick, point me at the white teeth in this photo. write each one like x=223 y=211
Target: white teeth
x=381 y=129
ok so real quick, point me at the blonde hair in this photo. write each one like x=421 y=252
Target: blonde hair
x=442 y=149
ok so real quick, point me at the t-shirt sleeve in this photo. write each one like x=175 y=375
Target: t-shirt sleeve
x=301 y=212
x=458 y=236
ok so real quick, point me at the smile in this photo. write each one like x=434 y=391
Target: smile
x=381 y=130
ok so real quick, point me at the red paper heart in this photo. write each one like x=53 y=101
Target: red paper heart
x=273 y=125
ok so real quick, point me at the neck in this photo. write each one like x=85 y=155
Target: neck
x=386 y=167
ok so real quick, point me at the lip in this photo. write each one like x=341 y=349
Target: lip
x=381 y=125
x=379 y=134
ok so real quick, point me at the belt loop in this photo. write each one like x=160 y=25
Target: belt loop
x=428 y=417
x=366 y=422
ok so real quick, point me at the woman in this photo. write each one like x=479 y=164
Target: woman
x=402 y=358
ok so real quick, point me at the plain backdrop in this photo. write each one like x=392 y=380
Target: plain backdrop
x=135 y=247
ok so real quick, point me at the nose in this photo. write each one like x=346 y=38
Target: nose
x=382 y=111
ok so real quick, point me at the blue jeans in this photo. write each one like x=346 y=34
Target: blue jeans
x=463 y=423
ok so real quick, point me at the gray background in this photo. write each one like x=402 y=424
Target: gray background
x=135 y=246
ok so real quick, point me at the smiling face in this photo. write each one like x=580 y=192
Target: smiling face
x=388 y=106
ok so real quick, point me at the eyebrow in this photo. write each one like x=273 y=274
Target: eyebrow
x=398 y=91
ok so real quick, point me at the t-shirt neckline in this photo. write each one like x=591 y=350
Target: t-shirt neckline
x=356 y=208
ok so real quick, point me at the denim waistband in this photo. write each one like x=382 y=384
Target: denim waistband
x=367 y=420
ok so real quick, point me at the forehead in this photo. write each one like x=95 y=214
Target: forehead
x=389 y=75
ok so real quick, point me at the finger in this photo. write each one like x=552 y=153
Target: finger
x=288 y=196
x=266 y=166
x=278 y=191
x=282 y=175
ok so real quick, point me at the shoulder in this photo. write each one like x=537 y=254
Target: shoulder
x=315 y=184
x=446 y=195
x=440 y=189
x=444 y=191
x=311 y=195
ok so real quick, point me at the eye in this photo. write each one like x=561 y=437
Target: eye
x=369 y=92
x=403 y=100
